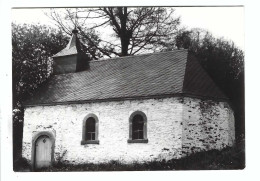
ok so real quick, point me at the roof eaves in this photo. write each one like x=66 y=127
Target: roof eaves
x=129 y=98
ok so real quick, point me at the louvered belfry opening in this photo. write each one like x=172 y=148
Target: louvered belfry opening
x=72 y=58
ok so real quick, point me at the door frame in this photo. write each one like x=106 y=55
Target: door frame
x=34 y=140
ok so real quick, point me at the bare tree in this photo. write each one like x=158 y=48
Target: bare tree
x=135 y=30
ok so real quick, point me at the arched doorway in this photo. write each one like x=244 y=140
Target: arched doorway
x=43 y=150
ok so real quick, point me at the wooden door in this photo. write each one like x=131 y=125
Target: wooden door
x=43 y=151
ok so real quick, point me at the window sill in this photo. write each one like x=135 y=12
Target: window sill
x=89 y=142
x=138 y=141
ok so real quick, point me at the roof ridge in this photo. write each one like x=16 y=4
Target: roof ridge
x=155 y=53
x=117 y=58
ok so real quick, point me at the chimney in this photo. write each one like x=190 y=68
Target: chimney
x=72 y=58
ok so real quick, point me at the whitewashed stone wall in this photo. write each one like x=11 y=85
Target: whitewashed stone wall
x=164 y=131
x=206 y=125
x=174 y=125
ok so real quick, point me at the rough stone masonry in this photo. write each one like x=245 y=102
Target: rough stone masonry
x=176 y=127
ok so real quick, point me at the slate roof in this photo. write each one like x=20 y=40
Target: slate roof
x=71 y=48
x=66 y=51
x=132 y=77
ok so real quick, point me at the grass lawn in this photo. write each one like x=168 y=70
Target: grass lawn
x=229 y=158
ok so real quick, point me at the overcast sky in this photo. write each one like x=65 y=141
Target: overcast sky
x=227 y=22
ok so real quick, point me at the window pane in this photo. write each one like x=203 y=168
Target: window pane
x=90 y=129
x=138 y=127
x=90 y=124
x=141 y=134
x=88 y=136
x=135 y=135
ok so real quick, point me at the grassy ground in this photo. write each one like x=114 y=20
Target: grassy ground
x=228 y=158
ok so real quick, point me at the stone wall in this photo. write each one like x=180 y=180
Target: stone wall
x=164 y=119
x=175 y=128
x=206 y=125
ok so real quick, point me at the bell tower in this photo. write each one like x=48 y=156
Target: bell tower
x=72 y=58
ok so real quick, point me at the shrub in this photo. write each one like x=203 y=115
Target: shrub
x=21 y=164
x=228 y=158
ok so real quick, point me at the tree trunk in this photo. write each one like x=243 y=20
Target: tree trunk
x=124 y=34
x=124 y=43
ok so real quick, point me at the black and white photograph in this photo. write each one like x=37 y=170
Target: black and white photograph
x=135 y=91
x=127 y=89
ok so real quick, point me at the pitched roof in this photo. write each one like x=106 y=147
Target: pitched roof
x=71 y=48
x=149 y=75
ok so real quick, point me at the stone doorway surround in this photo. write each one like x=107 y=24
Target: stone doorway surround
x=34 y=141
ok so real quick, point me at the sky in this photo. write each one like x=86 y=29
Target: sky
x=216 y=22
x=226 y=22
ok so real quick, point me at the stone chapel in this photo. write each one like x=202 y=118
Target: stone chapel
x=128 y=109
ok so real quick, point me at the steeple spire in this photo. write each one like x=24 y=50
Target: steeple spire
x=72 y=58
x=75 y=31
x=71 y=47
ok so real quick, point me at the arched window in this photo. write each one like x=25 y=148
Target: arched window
x=138 y=128
x=90 y=130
